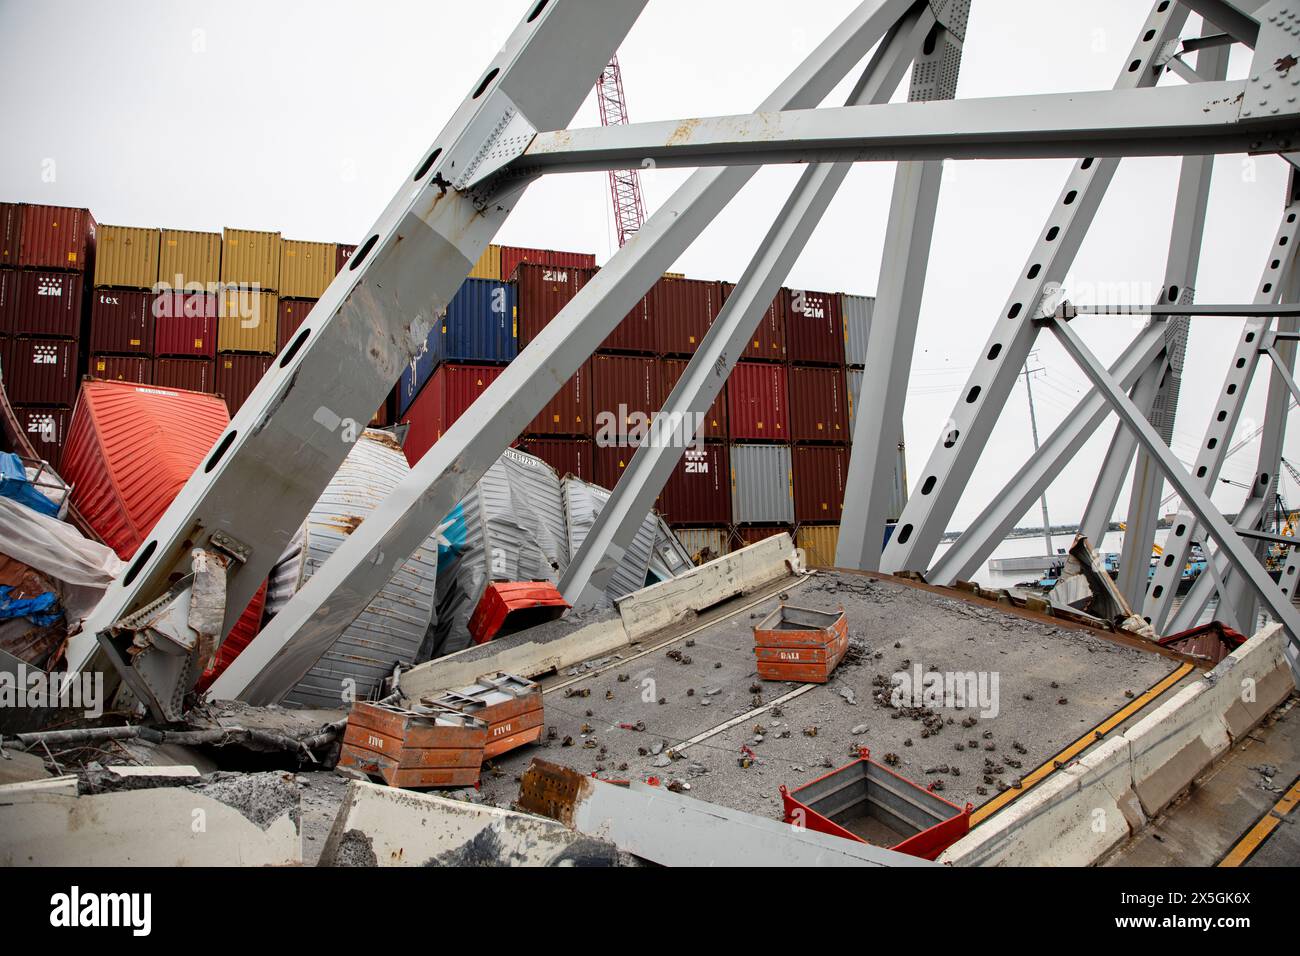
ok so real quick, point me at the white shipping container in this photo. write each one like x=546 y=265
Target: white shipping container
x=762 y=484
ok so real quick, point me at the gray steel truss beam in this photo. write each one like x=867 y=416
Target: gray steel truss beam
x=950 y=464
x=345 y=584
x=1235 y=18
x=289 y=438
x=587 y=576
x=1237 y=552
x=1206 y=586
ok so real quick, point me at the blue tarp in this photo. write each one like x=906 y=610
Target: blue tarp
x=41 y=611
x=14 y=484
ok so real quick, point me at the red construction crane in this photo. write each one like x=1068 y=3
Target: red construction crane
x=624 y=184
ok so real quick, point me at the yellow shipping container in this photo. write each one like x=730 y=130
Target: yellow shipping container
x=488 y=265
x=126 y=257
x=819 y=543
x=189 y=259
x=246 y=322
x=306 y=268
x=251 y=258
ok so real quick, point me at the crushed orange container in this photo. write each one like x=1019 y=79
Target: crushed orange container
x=414 y=748
x=512 y=707
x=801 y=644
x=510 y=606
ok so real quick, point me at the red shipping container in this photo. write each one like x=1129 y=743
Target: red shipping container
x=682 y=312
x=49 y=304
x=542 y=292
x=512 y=256
x=245 y=629
x=46 y=429
x=568 y=456
x=818 y=405
x=636 y=333
x=41 y=372
x=767 y=343
x=625 y=392
x=11 y=232
x=292 y=314
x=9 y=281
x=569 y=412
x=122 y=368
x=756 y=402
x=121 y=321
x=238 y=375
x=192 y=374
x=185 y=324
x=698 y=493
x=814 y=327
x=742 y=537
x=130 y=450
x=609 y=463
x=448 y=394
x=820 y=473
x=342 y=257
x=715 y=419
x=57 y=237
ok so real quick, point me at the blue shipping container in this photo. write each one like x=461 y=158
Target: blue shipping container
x=479 y=328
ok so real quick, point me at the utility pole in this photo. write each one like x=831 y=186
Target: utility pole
x=1033 y=428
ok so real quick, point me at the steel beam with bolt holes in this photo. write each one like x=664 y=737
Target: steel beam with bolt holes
x=949 y=467
x=1223 y=422
x=1237 y=552
x=289 y=438
x=349 y=580
x=585 y=580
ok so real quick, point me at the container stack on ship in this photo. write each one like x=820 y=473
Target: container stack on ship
x=185 y=310
x=123 y=323
x=247 y=313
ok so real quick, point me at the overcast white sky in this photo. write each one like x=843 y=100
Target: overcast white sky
x=305 y=117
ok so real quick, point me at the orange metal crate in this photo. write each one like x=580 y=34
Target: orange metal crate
x=417 y=747
x=800 y=644
x=511 y=706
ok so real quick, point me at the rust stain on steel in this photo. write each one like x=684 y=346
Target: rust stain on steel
x=553 y=791
x=683 y=133
x=1283 y=64
x=345 y=523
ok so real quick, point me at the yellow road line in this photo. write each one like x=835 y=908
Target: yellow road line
x=1037 y=776
x=1257 y=834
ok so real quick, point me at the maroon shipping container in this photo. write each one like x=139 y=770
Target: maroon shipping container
x=121 y=321
x=191 y=374
x=820 y=473
x=292 y=314
x=57 y=237
x=11 y=232
x=698 y=492
x=625 y=392
x=814 y=327
x=448 y=394
x=569 y=412
x=609 y=463
x=512 y=256
x=342 y=256
x=756 y=402
x=636 y=333
x=715 y=419
x=49 y=304
x=41 y=372
x=681 y=313
x=9 y=281
x=568 y=456
x=542 y=292
x=767 y=344
x=122 y=368
x=185 y=324
x=742 y=537
x=238 y=375
x=818 y=405
x=45 y=429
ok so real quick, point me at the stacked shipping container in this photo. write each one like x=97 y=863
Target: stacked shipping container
x=122 y=319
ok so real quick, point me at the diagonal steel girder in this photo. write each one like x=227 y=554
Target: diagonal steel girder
x=949 y=467
x=585 y=580
x=1207 y=585
x=349 y=580
x=1235 y=550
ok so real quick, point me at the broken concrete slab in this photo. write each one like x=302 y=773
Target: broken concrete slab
x=385 y=826
x=17 y=766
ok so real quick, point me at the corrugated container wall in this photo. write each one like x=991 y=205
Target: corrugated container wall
x=11 y=232
x=489 y=264
x=480 y=323
x=189 y=260
x=46 y=429
x=292 y=313
x=820 y=473
x=343 y=254
x=858 y=310
x=306 y=268
x=623 y=388
x=238 y=375
x=57 y=237
x=698 y=492
x=126 y=257
x=568 y=456
x=814 y=328
x=9 y=282
x=41 y=372
x=756 y=402
x=583 y=503
x=703 y=544
x=818 y=405
x=122 y=321
x=450 y=391
x=761 y=484
x=512 y=256
x=49 y=304
x=853 y=378
x=715 y=419
x=609 y=463
x=819 y=543
x=193 y=374
x=137 y=369
x=251 y=258
x=569 y=410
x=636 y=333
x=681 y=313
x=542 y=292
x=186 y=324
x=767 y=344
x=247 y=321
